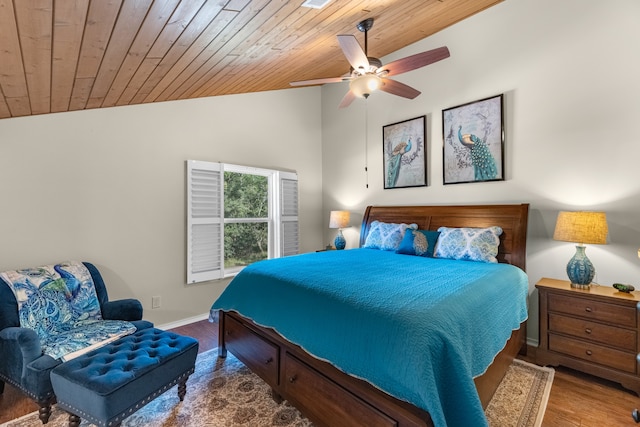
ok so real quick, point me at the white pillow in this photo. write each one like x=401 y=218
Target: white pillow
x=472 y=244
x=386 y=236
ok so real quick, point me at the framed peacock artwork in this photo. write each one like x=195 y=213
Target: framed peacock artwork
x=473 y=137
x=405 y=158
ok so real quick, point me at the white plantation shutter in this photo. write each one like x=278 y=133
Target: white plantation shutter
x=289 y=241
x=205 y=216
x=205 y=227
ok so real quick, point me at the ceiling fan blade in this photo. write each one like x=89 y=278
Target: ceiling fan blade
x=415 y=61
x=347 y=100
x=354 y=53
x=396 y=88
x=318 y=81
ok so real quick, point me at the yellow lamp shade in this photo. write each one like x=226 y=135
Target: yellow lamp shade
x=339 y=219
x=582 y=227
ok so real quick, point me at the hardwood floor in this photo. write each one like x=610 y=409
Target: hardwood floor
x=583 y=400
x=576 y=399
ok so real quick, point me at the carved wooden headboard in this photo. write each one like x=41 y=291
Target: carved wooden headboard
x=511 y=218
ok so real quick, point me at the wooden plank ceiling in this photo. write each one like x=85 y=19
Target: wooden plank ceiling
x=64 y=55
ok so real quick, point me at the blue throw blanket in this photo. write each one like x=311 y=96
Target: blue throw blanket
x=418 y=328
x=60 y=303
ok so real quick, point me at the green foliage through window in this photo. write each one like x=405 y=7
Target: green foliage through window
x=246 y=198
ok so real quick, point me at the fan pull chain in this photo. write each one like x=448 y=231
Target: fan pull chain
x=366 y=143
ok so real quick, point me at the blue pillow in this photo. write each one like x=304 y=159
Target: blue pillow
x=418 y=242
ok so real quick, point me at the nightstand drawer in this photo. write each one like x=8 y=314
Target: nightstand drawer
x=624 y=339
x=594 y=353
x=593 y=310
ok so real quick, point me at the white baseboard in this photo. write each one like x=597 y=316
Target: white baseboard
x=183 y=322
x=532 y=343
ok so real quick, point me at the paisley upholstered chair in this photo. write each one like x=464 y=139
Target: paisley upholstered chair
x=23 y=362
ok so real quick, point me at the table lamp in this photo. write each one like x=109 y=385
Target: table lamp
x=581 y=227
x=339 y=220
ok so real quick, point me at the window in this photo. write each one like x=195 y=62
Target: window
x=237 y=215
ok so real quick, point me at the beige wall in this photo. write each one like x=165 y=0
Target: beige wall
x=569 y=72
x=108 y=185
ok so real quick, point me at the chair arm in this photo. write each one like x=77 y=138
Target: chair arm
x=124 y=309
x=18 y=348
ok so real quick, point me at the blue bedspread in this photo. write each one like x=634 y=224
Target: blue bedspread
x=418 y=328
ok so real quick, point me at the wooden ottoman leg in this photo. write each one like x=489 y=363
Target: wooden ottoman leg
x=74 y=420
x=44 y=410
x=182 y=388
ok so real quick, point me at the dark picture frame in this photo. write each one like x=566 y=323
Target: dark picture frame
x=473 y=141
x=404 y=154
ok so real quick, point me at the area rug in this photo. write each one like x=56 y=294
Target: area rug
x=522 y=396
x=231 y=395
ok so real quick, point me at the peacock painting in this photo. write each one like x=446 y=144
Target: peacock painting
x=404 y=157
x=394 y=162
x=484 y=165
x=473 y=142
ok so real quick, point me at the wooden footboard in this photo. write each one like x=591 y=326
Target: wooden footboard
x=326 y=395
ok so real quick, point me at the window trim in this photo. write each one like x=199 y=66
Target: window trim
x=282 y=239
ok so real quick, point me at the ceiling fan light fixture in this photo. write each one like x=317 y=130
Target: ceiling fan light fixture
x=362 y=86
x=367 y=74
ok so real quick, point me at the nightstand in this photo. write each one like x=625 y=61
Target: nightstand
x=593 y=330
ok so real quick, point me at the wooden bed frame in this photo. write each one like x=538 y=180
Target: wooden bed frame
x=328 y=396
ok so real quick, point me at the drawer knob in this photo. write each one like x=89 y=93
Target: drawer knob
x=589 y=353
x=228 y=332
x=587 y=331
x=269 y=360
x=588 y=309
x=293 y=378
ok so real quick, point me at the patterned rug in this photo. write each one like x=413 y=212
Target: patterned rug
x=521 y=397
x=231 y=395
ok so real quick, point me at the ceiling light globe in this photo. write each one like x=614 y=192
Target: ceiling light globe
x=364 y=85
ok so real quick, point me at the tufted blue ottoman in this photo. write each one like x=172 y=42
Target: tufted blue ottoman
x=108 y=384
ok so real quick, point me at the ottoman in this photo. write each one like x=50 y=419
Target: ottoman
x=106 y=385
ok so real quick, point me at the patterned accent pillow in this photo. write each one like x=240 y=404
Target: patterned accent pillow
x=386 y=236
x=472 y=244
x=419 y=242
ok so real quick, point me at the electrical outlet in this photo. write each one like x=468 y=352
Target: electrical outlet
x=155 y=302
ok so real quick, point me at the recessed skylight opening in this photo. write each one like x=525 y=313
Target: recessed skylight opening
x=315 y=4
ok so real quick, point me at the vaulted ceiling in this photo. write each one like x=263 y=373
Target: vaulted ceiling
x=64 y=55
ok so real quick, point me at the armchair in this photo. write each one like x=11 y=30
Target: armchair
x=22 y=361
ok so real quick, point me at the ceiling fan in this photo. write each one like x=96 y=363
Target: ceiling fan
x=368 y=74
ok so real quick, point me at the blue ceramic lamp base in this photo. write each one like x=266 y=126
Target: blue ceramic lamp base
x=340 y=242
x=580 y=269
